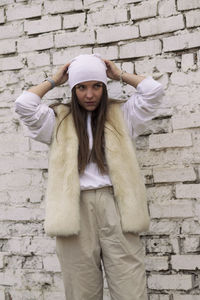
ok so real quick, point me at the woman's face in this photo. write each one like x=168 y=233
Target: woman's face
x=89 y=94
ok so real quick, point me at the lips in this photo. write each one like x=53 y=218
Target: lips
x=90 y=103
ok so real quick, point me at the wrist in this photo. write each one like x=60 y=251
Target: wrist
x=121 y=76
x=52 y=82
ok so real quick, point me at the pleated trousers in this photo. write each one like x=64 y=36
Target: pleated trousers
x=101 y=242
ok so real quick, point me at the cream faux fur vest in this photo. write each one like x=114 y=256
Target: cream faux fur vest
x=63 y=190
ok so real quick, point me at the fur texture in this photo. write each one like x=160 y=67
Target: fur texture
x=63 y=190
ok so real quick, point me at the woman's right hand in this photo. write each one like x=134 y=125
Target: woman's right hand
x=61 y=75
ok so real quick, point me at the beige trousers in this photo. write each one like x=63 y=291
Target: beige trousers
x=101 y=240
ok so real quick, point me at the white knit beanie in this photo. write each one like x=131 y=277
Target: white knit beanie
x=86 y=67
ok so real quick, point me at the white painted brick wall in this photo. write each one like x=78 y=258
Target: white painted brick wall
x=12 y=30
x=159 y=38
x=23 y=12
x=75 y=38
x=170 y=282
x=161 y=25
x=106 y=35
x=46 y=24
x=185 y=5
x=184 y=41
x=170 y=140
x=107 y=16
x=7 y=46
x=167 y=8
x=38 y=43
x=139 y=49
x=2 y=16
x=73 y=21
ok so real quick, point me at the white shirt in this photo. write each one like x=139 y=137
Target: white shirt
x=140 y=108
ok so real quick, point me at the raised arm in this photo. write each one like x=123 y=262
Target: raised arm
x=142 y=106
x=38 y=117
x=113 y=72
x=59 y=78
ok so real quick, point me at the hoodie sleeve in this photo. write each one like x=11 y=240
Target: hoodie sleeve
x=39 y=118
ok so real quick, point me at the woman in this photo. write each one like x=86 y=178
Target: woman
x=95 y=202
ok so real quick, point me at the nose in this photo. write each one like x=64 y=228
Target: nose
x=89 y=93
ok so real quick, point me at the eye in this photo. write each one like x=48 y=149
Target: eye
x=97 y=86
x=80 y=87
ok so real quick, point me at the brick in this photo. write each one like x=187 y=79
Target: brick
x=170 y=282
x=11 y=31
x=6 y=164
x=147 y=176
x=3 y=2
x=8 y=277
x=54 y=295
x=34 y=262
x=7 y=46
x=181 y=79
x=190 y=227
x=159 y=297
x=75 y=38
x=2 y=16
x=39 y=43
x=161 y=25
x=13 y=143
x=168 y=140
x=31 y=195
x=41 y=245
x=14 y=180
x=163 y=227
x=23 y=294
x=35 y=60
x=2 y=254
x=32 y=280
x=37 y=146
x=188 y=191
x=129 y=1
x=61 y=57
x=185 y=297
x=193 y=18
x=73 y=21
x=46 y=24
x=11 y=63
x=112 y=34
x=23 y=12
x=144 y=10
x=167 y=8
x=31 y=161
x=128 y=67
x=187 y=62
x=159 y=194
x=191 y=244
x=109 y=52
x=115 y=90
x=157 y=263
x=163 y=65
x=60 y=6
x=139 y=49
x=173 y=174
x=21 y=213
x=107 y=16
x=172 y=209
x=185 y=5
x=185 y=262
x=51 y=263
x=186 y=121
x=184 y=41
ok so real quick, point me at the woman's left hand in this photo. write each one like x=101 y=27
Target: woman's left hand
x=112 y=70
